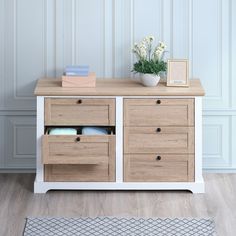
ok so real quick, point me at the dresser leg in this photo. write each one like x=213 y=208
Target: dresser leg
x=40 y=187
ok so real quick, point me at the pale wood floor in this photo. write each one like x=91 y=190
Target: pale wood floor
x=17 y=202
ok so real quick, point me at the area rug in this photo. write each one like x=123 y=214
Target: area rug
x=112 y=226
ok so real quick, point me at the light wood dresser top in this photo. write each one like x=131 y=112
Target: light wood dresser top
x=116 y=87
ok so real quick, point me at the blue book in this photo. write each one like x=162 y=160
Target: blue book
x=76 y=73
x=77 y=70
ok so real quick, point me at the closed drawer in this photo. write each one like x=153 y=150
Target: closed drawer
x=77 y=173
x=161 y=112
x=79 y=158
x=159 y=140
x=70 y=111
x=154 y=168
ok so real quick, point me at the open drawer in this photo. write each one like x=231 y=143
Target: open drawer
x=79 y=157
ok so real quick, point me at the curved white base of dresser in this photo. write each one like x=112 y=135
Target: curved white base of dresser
x=194 y=187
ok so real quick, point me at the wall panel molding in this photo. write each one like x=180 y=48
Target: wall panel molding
x=22 y=148
x=2 y=52
x=40 y=38
x=24 y=52
x=181 y=29
x=222 y=112
x=18 y=43
x=167 y=27
x=232 y=53
x=123 y=33
x=232 y=141
x=108 y=39
x=211 y=56
x=216 y=141
x=50 y=38
x=2 y=147
x=20 y=141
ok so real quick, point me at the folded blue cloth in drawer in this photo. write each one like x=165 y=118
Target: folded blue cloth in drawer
x=94 y=131
x=63 y=131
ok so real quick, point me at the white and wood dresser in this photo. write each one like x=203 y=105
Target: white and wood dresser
x=154 y=140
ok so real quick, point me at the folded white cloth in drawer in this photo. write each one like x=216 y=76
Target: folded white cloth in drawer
x=63 y=131
x=94 y=131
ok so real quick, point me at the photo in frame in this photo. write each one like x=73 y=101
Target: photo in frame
x=178 y=72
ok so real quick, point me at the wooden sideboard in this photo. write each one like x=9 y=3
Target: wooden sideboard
x=154 y=140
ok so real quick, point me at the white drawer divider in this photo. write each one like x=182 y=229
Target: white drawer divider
x=119 y=139
x=198 y=141
x=40 y=133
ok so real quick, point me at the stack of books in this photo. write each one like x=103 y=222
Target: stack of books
x=78 y=76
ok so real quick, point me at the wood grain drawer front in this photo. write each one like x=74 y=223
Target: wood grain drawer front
x=94 y=154
x=77 y=173
x=72 y=149
x=159 y=140
x=85 y=111
x=165 y=112
x=148 y=168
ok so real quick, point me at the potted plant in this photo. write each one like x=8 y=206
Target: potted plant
x=150 y=62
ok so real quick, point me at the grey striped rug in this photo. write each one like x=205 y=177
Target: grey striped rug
x=112 y=226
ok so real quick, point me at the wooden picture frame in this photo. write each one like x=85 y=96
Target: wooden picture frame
x=178 y=73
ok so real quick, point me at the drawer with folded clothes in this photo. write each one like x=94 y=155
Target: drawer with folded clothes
x=82 y=130
x=90 y=150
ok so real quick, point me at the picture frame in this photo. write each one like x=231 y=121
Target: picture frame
x=178 y=73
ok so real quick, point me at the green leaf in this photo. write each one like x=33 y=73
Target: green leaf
x=149 y=67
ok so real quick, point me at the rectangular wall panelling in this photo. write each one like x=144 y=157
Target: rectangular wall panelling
x=62 y=33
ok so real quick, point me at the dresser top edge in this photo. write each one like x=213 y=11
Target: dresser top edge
x=116 y=87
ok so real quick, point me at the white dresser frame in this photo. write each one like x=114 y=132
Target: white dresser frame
x=195 y=187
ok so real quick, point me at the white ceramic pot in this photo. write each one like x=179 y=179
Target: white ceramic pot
x=150 y=80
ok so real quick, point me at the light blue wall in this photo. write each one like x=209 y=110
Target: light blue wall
x=38 y=38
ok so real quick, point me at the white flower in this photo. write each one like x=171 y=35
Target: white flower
x=143 y=50
x=140 y=50
x=159 y=50
x=158 y=53
x=149 y=38
x=142 y=45
x=162 y=45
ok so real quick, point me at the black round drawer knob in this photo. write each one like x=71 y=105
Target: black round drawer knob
x=158 y=158
x=77 y=139
x=158 y=130
x=158 y=101
x=79 y=101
